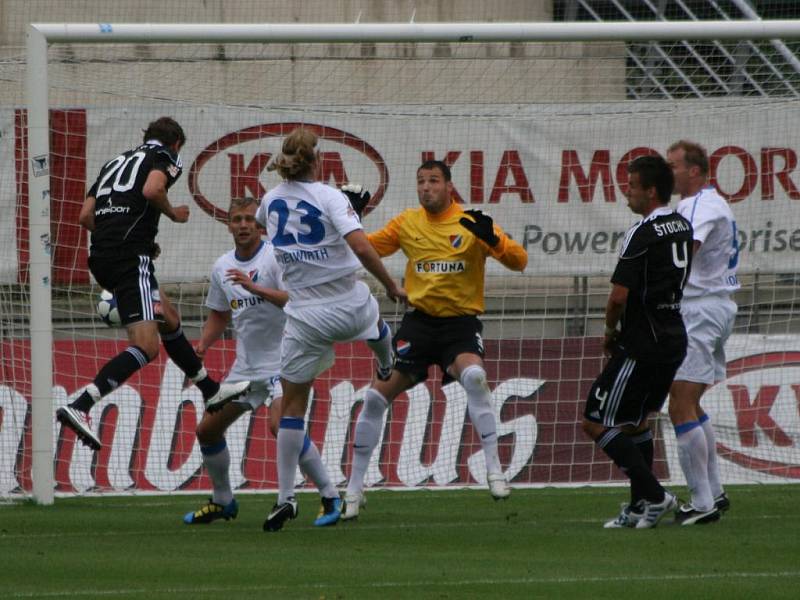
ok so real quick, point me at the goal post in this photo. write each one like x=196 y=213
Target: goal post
x=517 y=305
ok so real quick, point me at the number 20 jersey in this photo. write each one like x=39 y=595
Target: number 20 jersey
x=125 y=222
x=306 y=223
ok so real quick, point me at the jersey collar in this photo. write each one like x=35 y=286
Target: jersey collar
x=660 y=211
x=244 y=260
x=154 y=142
x=446 y=214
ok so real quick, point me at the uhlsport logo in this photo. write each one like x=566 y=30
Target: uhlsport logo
x=234 y=166
x=755 y=413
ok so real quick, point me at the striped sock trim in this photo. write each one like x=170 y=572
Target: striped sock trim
x=138 y=354
x=608 y=436
x=292 y=423
x=306 y=445
x=172 y=335
x=640 y=438
x=686 y=427
x=144 y=288
x=214 y=449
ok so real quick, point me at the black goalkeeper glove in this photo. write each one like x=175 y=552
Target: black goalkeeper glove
x=358 y=196
x=482 y=227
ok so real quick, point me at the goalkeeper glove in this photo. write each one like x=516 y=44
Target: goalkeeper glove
x=358 y=196
x=482 y=227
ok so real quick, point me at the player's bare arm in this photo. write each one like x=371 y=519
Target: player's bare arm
x=155 y=191
x=277 y=297
x=361 y=247
x=215 y=325
x=614 y=308
x=86 y=216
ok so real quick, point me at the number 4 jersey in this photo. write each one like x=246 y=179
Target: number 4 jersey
x=654 y=265
x=125 y=222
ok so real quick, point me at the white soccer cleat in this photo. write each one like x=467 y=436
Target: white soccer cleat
x=226 y=393
x=352 y=504
x=79 y=423
x=655 y=511
x=628 y=517
x=498 y=486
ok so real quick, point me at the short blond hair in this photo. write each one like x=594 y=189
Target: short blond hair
x=238 y=203
x=693 y=154
x=298 y=155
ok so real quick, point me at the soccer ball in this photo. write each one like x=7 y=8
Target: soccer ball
x=107 y=309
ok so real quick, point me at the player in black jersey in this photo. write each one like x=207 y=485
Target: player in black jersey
x=122 y=210
x=644 y=355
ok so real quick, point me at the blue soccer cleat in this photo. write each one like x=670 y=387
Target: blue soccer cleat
x=211 y=511
x=329 y=513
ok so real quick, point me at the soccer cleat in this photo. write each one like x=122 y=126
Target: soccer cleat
x=329 y=513
x=689 y=515
x=211 y=511
x=352 y=504
x=627 y=518
x=722 y=503
x=498 y=486
x=226 y=393
x=281 y=513
x=655 y=511
x=79 y=422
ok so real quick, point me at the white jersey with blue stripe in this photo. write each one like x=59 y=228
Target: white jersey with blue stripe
x=715 y=263
x=257 y=323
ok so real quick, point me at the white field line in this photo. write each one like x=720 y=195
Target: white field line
x=523 y=581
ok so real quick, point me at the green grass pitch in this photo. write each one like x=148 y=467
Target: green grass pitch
x=544 y=543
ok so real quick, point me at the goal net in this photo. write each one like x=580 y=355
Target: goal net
x=537 y=134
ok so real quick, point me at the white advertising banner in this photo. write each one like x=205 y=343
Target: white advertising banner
x=554 y=177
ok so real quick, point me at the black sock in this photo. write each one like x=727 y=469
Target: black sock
x=644 y=442
x=182 y=354
x=621 y=449
x=112 y=375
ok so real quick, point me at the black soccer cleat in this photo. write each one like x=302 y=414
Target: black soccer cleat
x=79 y=422
x=281 y=513
x=689 y=515
x=722 y=502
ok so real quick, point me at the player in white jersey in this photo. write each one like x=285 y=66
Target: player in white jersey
x=708 y=313
x=246 y=287
x=319 y=245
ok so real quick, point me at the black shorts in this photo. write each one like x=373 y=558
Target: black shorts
x=423 y=340
x=628 y=390
x=133 y=282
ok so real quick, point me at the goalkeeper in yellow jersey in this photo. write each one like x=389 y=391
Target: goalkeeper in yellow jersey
x=447 y=249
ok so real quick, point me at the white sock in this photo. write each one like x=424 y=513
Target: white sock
x=311 y=465
x=481 y=413
x=382 y=347
x=368 y=432
x=693 y=456
x=217 y=460
x=291 y=433
x=713 y=465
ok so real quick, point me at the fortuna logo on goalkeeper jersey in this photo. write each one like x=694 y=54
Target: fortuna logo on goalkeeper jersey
x=440 y=267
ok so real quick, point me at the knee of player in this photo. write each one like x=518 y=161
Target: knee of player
x=150 y=348
x=206 y=433
x=473 y=378
x=592 y=429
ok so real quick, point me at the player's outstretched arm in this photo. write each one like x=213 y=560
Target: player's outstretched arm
x=277 y=297
x=86 y=216
x=215 y=325
x=501 y=247
x=361 y=247
x=155 y=192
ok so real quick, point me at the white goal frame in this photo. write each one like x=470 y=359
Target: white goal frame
x=40 y=36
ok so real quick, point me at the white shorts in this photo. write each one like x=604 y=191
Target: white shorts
x=709 y=322
x=311 y=331
x=261 y=392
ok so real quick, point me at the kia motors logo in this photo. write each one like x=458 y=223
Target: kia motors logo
x=756 y=416
x=234 y=166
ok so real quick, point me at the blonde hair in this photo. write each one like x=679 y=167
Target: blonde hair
x=297 y=157
x=237 y=203
x=694 y=154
